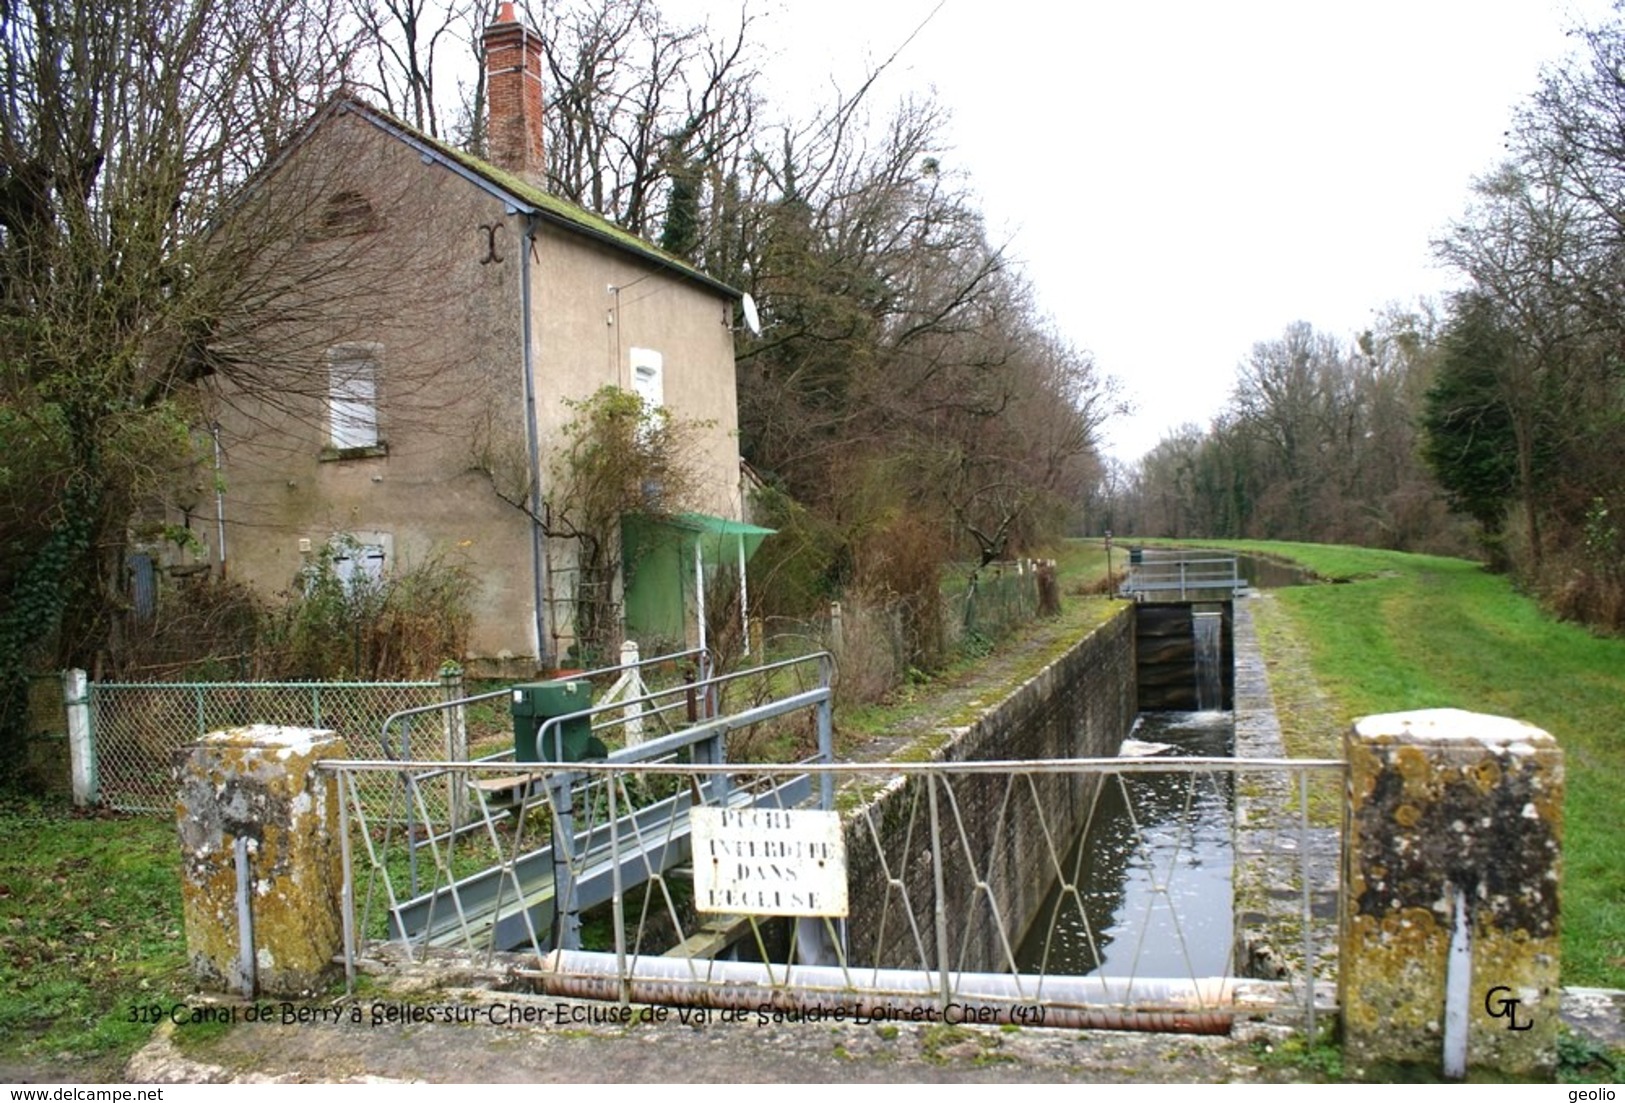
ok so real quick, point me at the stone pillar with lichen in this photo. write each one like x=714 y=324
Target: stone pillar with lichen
x=261 y=869
x=1449 y=953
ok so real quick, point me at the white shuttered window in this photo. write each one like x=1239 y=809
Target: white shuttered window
x=352 y=396
x=648 y=377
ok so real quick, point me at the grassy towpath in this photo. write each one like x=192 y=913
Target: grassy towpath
x=1412 y=632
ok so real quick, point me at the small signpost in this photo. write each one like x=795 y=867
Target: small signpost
x=768 y=861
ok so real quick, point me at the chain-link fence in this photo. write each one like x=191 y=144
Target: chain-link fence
x=879 y=644
x=138 y=726
x=994 y=601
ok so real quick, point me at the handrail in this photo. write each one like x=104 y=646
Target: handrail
x=441 y=706
x=1136 y=765
x=1183 y=575
x=705 y=729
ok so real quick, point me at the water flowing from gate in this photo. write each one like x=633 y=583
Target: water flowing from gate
x=1207 y=628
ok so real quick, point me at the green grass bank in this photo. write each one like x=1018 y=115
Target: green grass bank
x=90 y=937
x=1412 y=632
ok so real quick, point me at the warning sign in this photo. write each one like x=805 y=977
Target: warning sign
x=768 y=861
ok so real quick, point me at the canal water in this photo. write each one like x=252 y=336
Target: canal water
x=1263 y=573
x=1152 y=871
x=1153 y=892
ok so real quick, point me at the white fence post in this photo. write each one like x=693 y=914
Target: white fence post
x=454 y=723
x=632 y=714
x=81 y=744
x=629 y=685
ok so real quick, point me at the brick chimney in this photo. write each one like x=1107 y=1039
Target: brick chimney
x=513 y=96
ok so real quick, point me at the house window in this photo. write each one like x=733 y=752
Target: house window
x=352 y=397
x=358 y=565
x=648 y=381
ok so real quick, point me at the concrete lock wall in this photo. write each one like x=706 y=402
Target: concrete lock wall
x=1450 y=894
x=262 y=868
x=1080 y=706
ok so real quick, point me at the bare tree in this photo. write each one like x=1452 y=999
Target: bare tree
x=1317 y=442
x=413 y=49
x=640 y=112
x=124 y=130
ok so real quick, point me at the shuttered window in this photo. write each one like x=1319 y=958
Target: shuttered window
x=358 y=566
x=648 y=377
x=352 y=396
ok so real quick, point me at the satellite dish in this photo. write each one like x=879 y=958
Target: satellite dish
x=753 y=321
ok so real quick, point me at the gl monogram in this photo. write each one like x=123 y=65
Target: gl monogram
x=1498 y=1006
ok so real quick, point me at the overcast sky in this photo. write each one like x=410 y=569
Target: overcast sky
x=1181 y=180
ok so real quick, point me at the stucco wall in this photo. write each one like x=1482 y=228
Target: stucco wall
x=584 y=335
x=1081 y=706
x=433 y=284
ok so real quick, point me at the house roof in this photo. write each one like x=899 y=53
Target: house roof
x=523 y=197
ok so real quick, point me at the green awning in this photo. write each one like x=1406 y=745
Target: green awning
x=658 y=565
x=720 y=537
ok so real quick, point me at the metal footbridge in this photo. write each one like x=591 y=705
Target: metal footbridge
x=1181 y=578
x=589 y=837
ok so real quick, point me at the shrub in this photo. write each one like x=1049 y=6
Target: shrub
x=398 y=627
x=401 y=625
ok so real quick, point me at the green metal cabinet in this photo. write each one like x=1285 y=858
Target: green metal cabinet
x=534 y=703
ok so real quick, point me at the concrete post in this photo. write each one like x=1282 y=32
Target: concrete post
x=1451 y=859
x=454 y=732
x=261 y=866
x=631 y=684
x=81 y=738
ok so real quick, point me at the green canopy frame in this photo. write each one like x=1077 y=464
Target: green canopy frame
x=660 y=555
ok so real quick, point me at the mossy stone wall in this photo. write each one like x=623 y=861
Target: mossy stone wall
x=260 y=784
x=1451 y=813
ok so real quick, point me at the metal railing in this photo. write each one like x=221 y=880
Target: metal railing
x=964 y=880
x=395 y=733
x=1183 y=577
x=428 y=805
x=685 y=689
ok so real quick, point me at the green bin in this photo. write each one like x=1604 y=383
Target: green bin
x=535 y=703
